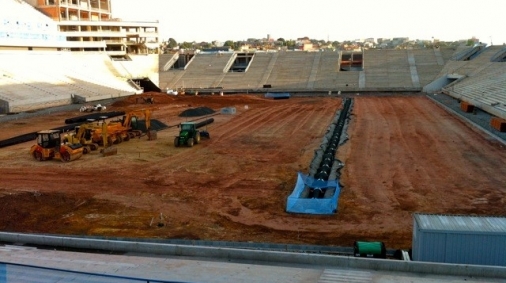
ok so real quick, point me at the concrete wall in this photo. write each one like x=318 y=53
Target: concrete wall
x=257 y=255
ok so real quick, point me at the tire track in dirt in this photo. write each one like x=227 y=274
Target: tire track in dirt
x=318 y=116
x=430 y=185
x=404 y=187
x=293 y=113
x=244 y=122
x=421 y=135
x=273 y=116
x=365 y=139
x=296 y=115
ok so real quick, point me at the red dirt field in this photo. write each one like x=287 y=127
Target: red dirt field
x=404 y=155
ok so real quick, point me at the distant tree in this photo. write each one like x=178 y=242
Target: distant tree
x=205 y=45
x=186 y=45
x=470 y=42
x=238 y=44
x=230 y=44
x=281 y=40
x=290 y=43
x=172 y=43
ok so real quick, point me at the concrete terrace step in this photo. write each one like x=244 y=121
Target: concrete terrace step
x=345 y=276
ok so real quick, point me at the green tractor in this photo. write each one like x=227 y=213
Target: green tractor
x=190 y=134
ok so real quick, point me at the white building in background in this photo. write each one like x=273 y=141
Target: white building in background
x=74 y=25
x=57 y=52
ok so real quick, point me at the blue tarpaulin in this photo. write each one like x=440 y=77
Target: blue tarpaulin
x=277 y=95
x=298 y=202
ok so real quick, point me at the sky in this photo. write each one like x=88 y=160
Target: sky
x=222 y=20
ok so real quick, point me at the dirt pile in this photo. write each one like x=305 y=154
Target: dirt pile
x=196 y=112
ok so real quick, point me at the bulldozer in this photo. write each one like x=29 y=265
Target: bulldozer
x=190 y=134
x=49 y=145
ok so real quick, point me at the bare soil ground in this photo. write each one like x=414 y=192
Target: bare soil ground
x=405 y=155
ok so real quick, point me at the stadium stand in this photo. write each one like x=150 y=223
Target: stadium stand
x=485 y=89
x=292 y=69
x=40 y=68
x=327 y=70
x=42 y=79
x=475 y=76
x=139 y=66
x=383 y=70
x=203 y=70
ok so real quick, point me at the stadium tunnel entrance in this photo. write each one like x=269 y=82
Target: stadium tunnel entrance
x=241 y=62
x=351 y=62
x=147 y=85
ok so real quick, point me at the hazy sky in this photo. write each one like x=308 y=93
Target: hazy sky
x=207 y=20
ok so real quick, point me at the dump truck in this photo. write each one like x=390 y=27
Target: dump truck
x=190 y=134
x=49 y=146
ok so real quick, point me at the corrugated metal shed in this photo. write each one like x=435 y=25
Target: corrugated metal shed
x=461 y=223
x=459 y=239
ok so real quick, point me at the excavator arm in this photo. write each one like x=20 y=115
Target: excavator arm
x=127 y=120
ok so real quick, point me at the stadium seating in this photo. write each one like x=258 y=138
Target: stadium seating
x=292 y=69
x=482 y=82
x=32 y=77
x=204 y=70
x=252 y=79
x=402 y=70
x=327 y=70
x=487 y=88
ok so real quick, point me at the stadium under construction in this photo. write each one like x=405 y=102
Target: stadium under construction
x=66 y=53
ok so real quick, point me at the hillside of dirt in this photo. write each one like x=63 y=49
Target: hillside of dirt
x=404 y=155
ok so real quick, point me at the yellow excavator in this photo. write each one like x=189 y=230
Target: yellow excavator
x=49 y=145
x=126 y=128
x=131 y=121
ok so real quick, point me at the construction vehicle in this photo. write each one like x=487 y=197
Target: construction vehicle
x=92 y=108
x=106 y=142
x=95 y=134
x=190 y=134
x=122 y=130
x=171 y=91
x=130 y=123
x=49 y=145
x=83 y=134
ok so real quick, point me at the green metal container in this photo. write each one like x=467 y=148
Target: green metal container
x=369 y=249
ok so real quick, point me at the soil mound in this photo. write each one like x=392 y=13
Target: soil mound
x=157 y=98
x=195 y=112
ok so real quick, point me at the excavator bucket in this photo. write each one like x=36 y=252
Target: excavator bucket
x=70 y=152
